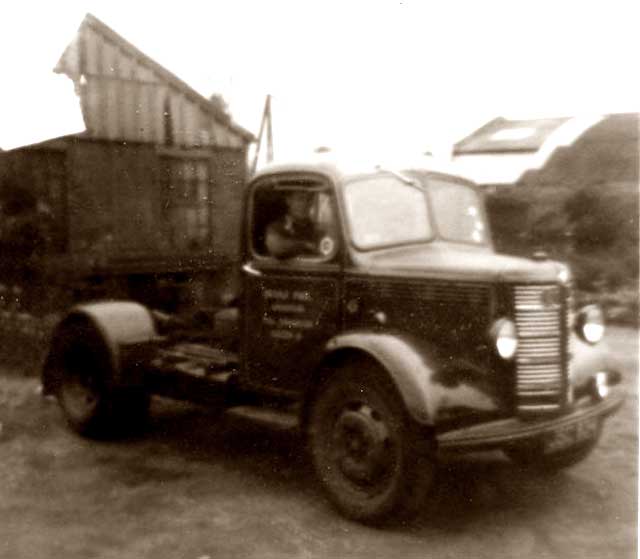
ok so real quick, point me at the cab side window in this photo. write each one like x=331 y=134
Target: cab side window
x=294 y=222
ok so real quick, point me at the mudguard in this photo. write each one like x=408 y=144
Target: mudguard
x=417 y=375
x=587 y=360
x=125 y=331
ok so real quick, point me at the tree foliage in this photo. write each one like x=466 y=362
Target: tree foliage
x=594 y=228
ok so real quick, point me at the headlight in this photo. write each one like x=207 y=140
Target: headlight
x=505 y=337
x=564 y=275
x=590 y=324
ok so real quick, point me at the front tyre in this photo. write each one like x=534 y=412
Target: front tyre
x=365 y=449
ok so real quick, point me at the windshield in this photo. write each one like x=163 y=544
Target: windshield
x=458 y=212
x=383 y=210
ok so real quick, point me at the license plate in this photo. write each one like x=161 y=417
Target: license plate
x=571 y=435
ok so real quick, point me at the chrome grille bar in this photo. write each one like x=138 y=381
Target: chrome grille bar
x=540 y=313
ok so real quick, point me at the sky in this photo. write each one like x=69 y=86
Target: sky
x=364 y=78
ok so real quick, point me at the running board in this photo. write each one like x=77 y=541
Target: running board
x=283 y=419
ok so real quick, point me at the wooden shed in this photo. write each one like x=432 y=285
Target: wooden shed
x=153 y=186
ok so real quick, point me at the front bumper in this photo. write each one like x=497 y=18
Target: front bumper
x=509 y=432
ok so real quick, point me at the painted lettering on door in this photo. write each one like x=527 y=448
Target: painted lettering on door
x=287 y=314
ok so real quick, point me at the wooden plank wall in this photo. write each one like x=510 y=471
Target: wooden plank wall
x=124 y=98
x=229 y=177
x=90 y=198
x=42 y=172
x=107 y=199
x=113 y=198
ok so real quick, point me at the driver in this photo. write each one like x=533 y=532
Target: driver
x=295 y=234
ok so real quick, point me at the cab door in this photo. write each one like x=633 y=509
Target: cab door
x=292 y=305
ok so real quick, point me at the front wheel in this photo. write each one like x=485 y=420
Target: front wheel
x=365 y=449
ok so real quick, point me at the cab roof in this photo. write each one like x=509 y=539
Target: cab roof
x=339 y=173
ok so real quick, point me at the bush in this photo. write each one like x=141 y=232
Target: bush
x=601 y=218
x=594 y=228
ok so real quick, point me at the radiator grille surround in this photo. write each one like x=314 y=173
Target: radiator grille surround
x=541 y=316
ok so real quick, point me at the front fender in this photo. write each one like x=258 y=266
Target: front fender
x=417 y=374
x=121 y=330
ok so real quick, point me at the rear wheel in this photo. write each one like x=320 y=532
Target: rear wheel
x=91 y=404
x=365 y=449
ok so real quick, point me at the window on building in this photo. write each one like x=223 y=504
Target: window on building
x=168 y=122
x=187 y=203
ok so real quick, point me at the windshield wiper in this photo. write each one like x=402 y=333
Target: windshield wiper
x=403 y=178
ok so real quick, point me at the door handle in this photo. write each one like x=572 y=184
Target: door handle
x=249 y=269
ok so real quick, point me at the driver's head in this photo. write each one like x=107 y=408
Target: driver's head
x=299 y=204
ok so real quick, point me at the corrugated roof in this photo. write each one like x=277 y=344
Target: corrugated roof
x=509 y=136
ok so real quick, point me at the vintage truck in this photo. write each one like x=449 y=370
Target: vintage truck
x=402 y=335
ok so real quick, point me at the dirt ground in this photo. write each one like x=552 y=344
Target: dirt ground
x=195 y=486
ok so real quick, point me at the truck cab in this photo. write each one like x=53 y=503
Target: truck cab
x=375 y=314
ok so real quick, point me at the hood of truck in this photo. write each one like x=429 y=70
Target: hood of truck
x=455 y=261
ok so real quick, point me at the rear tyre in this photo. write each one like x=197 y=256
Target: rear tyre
x=92 y=406
x=365 y=449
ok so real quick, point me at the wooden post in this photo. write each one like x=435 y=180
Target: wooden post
x=269 y=131
x=266 y=120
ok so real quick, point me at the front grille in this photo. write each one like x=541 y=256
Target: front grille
x=541 y=367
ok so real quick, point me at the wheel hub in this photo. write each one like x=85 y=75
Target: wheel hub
x=362 y=445
x=79 y=395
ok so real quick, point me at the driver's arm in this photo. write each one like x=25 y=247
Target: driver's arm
x=280 y=245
